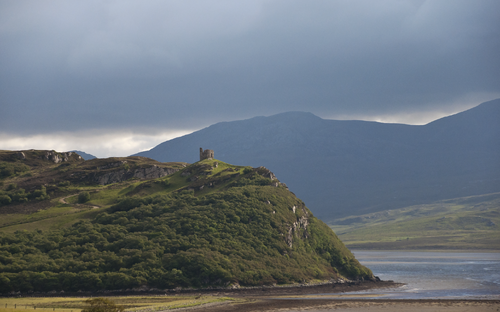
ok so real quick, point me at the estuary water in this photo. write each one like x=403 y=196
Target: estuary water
x=434 y=275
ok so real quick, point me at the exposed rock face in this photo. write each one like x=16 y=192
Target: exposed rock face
x=21 y=156
x=152 y=172
x=295 y=228
x=266 y=173
x=58 y=157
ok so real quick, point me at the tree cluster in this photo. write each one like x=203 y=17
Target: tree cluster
x=13 y=194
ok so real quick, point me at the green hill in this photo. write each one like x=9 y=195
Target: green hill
x=461 y=223
x=112 y=224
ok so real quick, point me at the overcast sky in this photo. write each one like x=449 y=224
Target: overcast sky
x=116 y=77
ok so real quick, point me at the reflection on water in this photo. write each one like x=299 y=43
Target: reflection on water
x=435 y=274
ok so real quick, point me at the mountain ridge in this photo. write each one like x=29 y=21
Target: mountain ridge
x=339 y=165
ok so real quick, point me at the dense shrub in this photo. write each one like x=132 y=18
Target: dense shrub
x=8 y=169
x=5 y=199
x=83 y=197
x=102 y=305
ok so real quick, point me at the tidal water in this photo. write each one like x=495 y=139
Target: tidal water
x=434 y=275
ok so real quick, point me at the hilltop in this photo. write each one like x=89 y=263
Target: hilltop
x=30 y=178
x=122 y=223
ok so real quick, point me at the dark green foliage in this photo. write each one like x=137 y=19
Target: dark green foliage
x=14 y=195
x=252 y=178
x=102 y=305
x=40 y=194
x=19 y=195
x=179 y=240
x=64 y=183
x=83 y=197
x=240 y=233
x=5 y=199
x=247 y=170
x=9 y=169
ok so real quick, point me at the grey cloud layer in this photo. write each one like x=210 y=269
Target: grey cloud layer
x=102 y=64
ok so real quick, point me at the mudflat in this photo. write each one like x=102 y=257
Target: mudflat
x=295 y=299
x=363 y=305
x=273 y=291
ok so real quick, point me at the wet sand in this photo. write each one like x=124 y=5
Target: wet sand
x=277 y=291
x=382 y=305
x=282 y=299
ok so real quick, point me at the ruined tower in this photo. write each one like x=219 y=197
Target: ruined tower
x=206 y=154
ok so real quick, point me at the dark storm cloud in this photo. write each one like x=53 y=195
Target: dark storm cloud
x=75 y=65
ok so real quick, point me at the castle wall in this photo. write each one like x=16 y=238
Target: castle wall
x=206 y=154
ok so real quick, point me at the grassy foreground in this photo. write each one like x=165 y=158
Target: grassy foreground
x=131 y=303
x=466 y=223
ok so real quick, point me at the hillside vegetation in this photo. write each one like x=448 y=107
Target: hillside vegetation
x=199 y=225
x=461 y=223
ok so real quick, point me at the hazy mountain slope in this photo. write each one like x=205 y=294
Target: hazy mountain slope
x=342 y=167
x=84 y=155
x=460 y=223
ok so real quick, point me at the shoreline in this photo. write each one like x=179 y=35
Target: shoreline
x=428 y=250
x=355 y=305
x=300 y=290
x=262 y=291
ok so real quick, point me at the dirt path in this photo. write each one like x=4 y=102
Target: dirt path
x=63 y=201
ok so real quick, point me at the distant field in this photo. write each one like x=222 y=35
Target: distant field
x=462 y=223
x=131 y=303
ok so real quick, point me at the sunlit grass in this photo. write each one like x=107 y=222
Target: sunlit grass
x=463 y=223
x=66 y=217
x=131 y=303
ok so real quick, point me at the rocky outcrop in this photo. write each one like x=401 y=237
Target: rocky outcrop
x=266 y=173
x=56 y=157
x=152 y=172
x=20 y=156
x=295 y=229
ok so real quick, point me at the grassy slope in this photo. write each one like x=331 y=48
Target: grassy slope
x=463 y=223
x=64 y=181
x=65 y=214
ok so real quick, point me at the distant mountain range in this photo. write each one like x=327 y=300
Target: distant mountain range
x=342 y=168
x=84 y=155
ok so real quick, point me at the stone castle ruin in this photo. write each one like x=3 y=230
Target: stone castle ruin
x=206 y=154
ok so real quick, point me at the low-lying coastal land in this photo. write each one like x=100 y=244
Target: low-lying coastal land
x=312 y=298
x=464 y=223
